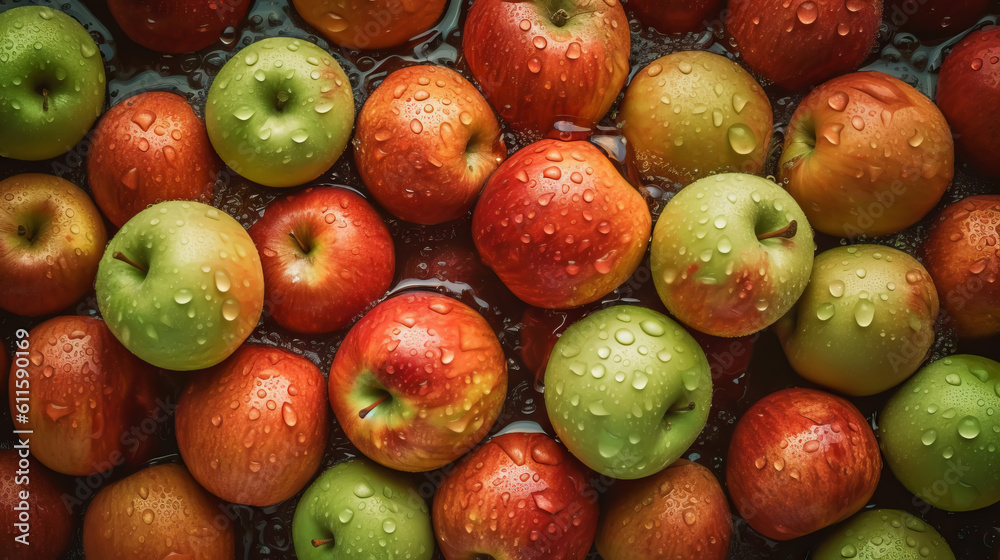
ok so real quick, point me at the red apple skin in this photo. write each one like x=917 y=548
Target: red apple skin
x=88 y=398
x=800 y=43
x=801 y=460
x=934 y=18
x=968 y=86
x=444 y=369
x=149 y=148
x=370 y=24
x=680 y=512
x=177 y=26
x=520 y=496
x=540 y=330
x=57 y=265
x=559 y=225
x=535 y=72
x=675 y=16
x=347 y=264
x=184 y=521
x=266 y=449
x=962 y=255
x=51 y=524
x=425 y=143
x=867 y=154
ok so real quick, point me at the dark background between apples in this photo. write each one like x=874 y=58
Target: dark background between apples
x=265 y=533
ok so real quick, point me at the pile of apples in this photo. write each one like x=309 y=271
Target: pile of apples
x=552 y=214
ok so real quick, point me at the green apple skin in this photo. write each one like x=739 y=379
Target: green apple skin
x=280 y=112
x=709 y=267
x=42 y=49
x=364 y=511
x=627 y=390
x=884 y=534
x=940 y=433
x=865 y=322
x=202 y=295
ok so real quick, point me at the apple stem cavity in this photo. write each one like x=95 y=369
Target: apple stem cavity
x=786 y=232
x=280 y=100
x=302 y=246
x=120 y=256
x=560 y=17
x=322 y=542
x=367 y=410
x=23 y=232
x=45 y=99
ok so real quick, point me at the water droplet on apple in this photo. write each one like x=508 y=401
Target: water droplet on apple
x=928 y=437
x=243 y=113
x=254 y=466
x=807 y=12
x=825 y=311
x=741 y=139
x=573 y=51
x=864 y=312
x=299 y=136
x=183 y=296
x=858 y=123
x=639 y=380
x=968 y=427
x=148 y=517
x=389 y=526
x=624 y=337
x=535 y=65
x=849 y=551
x=346 y=515
x=609 y=445
x=363 y=490
x=916 y=140
x=539 y=42
x=230 y=309
x=837 y=288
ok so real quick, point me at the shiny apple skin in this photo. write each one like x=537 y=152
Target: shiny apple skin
x=675 y=16
x=370 y=24
x=50 y=522
x=425 y=143
x=801 y=460
x=559 y=225
x=866 y=154
x=177 y=26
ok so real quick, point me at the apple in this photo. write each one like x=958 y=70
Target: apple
x=426 y=142
x=731 y=254
x=969 y=77
x=418 y=381
x=694 y=113
x=326 y=256
x=519 y=496
x=149 y=148
x=934 y=18
x=371 y=24
x=539 y=330
x=51 y=239
x=541 y=61
x=36 y=524
x=938 y=434
x=800 y=43
x=52 y=87
x=961 y=255
x=177 y=26
x=88 y=400
x=865 y=322
x=679 y=512
x=269 y=446
x=358 y=510
x=181 y=285
x=559 y=225
x=280 y=112
x=800 y=460
x=845 y=164
x=179 y=518
x=449 y=263
x=675 y=16
x=884 y=533
x=627 y=391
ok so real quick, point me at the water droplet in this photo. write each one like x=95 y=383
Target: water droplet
x=183 y=296
x=838 y=101
x=968 y=427
x=807 y=12
x=928 y=437
x=244 y=113
x=363 y=490
x=624 y=337
x=837 y=288
x=535 y=65
x=741 y=139
x=288 y=415
x=864 y=312
x=231 y=309
x=825 y=311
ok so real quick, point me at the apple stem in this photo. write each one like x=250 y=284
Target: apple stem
x=689 y=406
x=298 y=242
x=45 y=99
x=786 y=232
x=318 y=542
x=118 y=255
x=23 y=232
x=367 y=410
x=282 y=98
x=560 y=17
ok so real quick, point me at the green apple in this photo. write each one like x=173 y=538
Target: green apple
x=731 y=254
x=940 y=433
x=280 y=112
x=51 y=83
x=360 y=510
x=865 y=322
x=627 y=390
x=884 y=534
x=181 y=285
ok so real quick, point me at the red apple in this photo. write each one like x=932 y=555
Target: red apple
x=539 y=330
x=51 y=239
x=675 y=16
x=559 y=225
x=418 y=381
x=866 y=154
x=36 y=523
x=962 y=255
x=326 y=255
x=680 y=512
x=934 y=18
x=177 y=26
x=539 y=61
x=91 y=404
x=799 y=43
x=149 y=148
x=266 y=448
x=179 y=519
x=801 y=460
x=520 y=496
x=370 y=24
x=968 y=85
x=425 y=143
